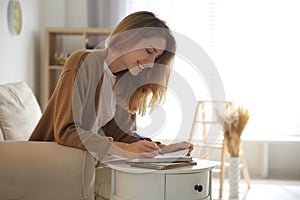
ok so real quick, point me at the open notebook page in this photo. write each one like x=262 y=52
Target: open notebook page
x=176 y=154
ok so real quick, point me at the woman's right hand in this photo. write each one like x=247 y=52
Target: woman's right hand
x=139 y=149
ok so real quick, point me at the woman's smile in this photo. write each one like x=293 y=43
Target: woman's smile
x=141 y=56
x=140 y=66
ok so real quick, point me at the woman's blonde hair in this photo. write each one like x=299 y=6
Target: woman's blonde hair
x=133 y=92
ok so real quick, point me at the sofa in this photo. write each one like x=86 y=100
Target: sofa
x=37 y=170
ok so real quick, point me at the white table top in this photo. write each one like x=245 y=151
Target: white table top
x=202 y=165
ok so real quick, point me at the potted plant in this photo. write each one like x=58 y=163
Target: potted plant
x=234 y=123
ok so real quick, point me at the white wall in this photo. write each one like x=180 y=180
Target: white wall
x=20 y=54
x=276 y=159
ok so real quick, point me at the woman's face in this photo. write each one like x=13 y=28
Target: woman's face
x=142 y=55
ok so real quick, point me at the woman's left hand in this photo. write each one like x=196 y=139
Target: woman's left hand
x=177 y=147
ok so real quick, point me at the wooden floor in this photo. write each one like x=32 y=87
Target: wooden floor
x=261 y=189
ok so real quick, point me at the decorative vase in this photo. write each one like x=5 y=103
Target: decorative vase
x=234 y=177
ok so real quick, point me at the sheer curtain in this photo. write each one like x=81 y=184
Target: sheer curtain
x=105 y=13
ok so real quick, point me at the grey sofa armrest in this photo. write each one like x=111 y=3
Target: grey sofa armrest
x=45 y=170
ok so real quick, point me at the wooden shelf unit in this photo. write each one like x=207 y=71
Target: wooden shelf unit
x=62 y=42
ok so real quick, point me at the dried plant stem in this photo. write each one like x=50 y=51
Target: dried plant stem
x=234 y=130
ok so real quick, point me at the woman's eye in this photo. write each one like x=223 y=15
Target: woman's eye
x=149 y=51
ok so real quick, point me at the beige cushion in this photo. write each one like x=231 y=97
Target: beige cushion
x=19 y=111
x=45 y=171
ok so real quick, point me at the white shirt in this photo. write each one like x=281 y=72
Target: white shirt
x=107 y=104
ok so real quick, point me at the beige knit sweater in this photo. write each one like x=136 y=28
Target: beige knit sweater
x=72 y=109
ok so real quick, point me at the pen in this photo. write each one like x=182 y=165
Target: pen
x=142 y=138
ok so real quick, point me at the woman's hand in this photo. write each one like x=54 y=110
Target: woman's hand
x=139 y=149
x=177 y=147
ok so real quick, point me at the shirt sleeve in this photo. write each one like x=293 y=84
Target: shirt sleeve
x=70 y=127
x=119 y=127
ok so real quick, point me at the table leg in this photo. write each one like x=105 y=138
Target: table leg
x=113 y=184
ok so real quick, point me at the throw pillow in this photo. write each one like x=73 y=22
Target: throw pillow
x=19 y=111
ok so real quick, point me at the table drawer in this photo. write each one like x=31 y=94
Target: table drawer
x=187 y=186
x=139 y=186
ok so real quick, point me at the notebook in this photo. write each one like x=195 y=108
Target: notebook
x=174 y=157
x=166 y=161
x=162 y=165
x=177 y=156
x=160 y=160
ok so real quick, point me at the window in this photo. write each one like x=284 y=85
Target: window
x=254 y=45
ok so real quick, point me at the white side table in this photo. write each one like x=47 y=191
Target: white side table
x=131 y=183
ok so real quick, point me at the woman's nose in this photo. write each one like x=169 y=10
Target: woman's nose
x=151 y=61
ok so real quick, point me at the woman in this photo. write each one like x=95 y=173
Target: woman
x=100 y=92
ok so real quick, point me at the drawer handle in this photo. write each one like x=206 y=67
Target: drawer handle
x=198 y=187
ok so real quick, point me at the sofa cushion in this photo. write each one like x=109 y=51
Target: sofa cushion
x=19 y=111
x=45 y=171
